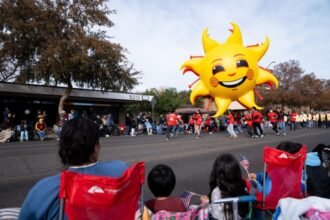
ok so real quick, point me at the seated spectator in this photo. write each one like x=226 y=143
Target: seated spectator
x=6 y=132
x=161 y=181
x=226 y=181
x=289 y=147
x=318 y=169
x=41 y=128
x=24 y=133
x=79 y=151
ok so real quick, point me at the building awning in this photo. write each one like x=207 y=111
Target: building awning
x=77 y=94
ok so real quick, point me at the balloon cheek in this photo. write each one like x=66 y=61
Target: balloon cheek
x=214 y=82
x=250 y=74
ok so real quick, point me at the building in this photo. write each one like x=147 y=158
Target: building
x=21 y=97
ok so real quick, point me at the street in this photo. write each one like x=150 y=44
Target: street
x=23 y=164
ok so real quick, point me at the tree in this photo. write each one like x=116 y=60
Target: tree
x=296 y=88
x=60 y=43
x=288 y=74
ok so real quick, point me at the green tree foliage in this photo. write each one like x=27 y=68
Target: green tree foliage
x=60 y=42
x=167 y=99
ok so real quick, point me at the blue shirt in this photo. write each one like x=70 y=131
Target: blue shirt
x=42 y=202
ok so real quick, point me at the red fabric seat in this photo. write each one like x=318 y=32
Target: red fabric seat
x=285 y=172
x=99 y=198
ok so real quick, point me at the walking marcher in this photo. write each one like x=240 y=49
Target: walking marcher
x=198 y=123
x=248 y=122
x=281 y=122
x=272 y=116
x=293 y=119
x=171 y=119
x=256 y=120
x=230 y=127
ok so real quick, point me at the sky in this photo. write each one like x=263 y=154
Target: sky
x=160 y=35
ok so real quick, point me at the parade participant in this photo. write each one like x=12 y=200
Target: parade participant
x=256 y=120
x=230 y=127
x=208 y=124
x=191 y=124
x=172 y=121
x=79 y=152
x=293 y=119
x=281 y=121
x=180 y=123
x=248 y=122
x=198 y=123
x=238 y=121
x=272 y=116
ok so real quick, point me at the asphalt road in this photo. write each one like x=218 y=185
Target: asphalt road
x=23 y=164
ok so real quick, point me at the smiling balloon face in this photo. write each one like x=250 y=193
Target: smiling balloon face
x=229 y=71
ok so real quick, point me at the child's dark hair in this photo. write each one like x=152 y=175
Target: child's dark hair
x=161 y=180
x=226 y=174
x=289 y=147
x=77 y=141
x=323 y=153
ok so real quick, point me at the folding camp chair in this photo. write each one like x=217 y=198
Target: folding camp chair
x=285 y=172
x=9 y=213
x=201 y=212
x=85 y=196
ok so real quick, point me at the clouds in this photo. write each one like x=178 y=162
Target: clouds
x=161 y=35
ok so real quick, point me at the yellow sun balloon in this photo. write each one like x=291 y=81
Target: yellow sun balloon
x=229 y=71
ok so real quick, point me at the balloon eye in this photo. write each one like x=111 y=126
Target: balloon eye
x=242 y=63
x=217 y=69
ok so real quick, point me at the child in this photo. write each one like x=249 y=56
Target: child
x=226 y=181
x=161 y=181
x=24 y=133
x=318 y=169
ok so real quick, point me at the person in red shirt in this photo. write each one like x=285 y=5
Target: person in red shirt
x=198 y=123
x=172 y=121
x=191 y=124
x=41 y=128
x=230 y=127
x=293 y=118
x=208 y=124
x=273 y=116
x=256 y=120
x=248 y=122
x=161 y=181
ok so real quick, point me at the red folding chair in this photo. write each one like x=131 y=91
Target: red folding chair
x=86 y=197
x=285 y=171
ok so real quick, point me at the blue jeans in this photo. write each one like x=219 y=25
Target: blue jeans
x=24 y=135
x=42 y=134
x=282 y=127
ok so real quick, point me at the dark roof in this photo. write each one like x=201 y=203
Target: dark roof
x=79 y=94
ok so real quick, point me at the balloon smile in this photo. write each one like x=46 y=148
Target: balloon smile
x=232 y=84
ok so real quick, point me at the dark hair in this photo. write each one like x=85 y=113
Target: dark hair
x=226 y=174
x=321 y=148
x=289 y=147
x=161 y=180
x=77 y=141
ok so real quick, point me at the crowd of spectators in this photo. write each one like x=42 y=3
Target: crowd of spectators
x=253 y=122
x=80 y=149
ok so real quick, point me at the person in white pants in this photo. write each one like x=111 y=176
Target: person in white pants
x=230 y=127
